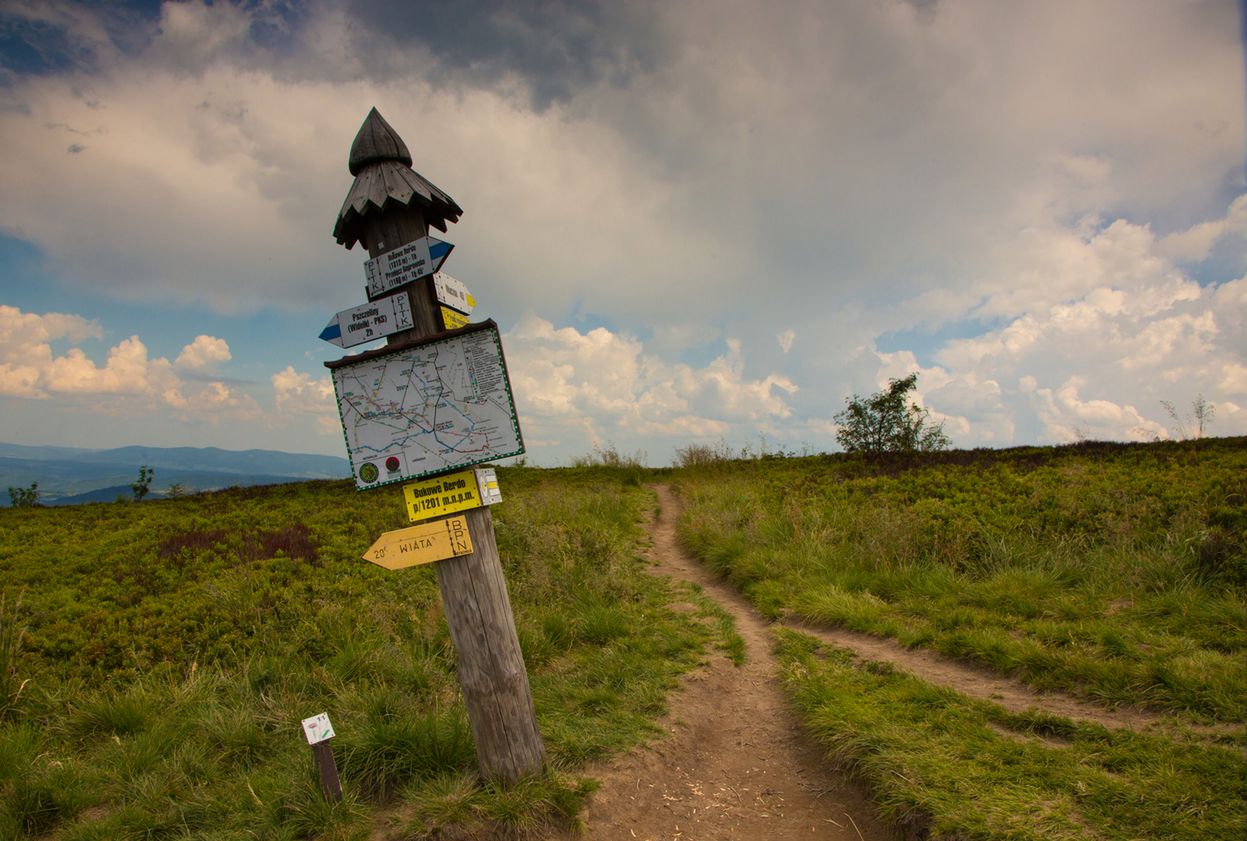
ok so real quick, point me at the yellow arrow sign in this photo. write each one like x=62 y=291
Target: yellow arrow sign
x=453 y=319
x=422 y=544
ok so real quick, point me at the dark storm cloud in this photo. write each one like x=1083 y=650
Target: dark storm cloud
x=42 y=38
x=35 y=46
x=556 y=47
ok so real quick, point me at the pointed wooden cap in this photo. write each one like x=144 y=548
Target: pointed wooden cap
x=377 y=141
x=384 y=179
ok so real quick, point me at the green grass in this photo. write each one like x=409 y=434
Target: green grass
x=168 y=651
x=959 y=768
x=1115 y=573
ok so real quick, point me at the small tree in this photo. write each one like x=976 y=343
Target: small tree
x=886 y=422
x=24 y=497
x=143 y=484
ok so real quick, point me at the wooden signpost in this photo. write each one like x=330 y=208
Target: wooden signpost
x=390 y=209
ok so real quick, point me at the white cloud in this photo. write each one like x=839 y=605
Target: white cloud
x=583 y=389
x=129 y=381
x=1196 y=242
x=1093 y=349
x=20 y=328
x=1066 y=417
x=833 y=171
x=824 y=148
x=297 y=392
x=126 y=371
x=193 y=35
x=203 y=354
x=786 y=339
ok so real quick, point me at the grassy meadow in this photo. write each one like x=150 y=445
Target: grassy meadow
x=156 y=660
x=1117 y=573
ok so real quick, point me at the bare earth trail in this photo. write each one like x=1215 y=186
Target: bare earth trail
x=965 y=678
x=734 y=764
x=982 y=682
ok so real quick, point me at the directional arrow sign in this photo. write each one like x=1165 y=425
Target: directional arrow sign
x=452 y=293
x=409 y=262
x=453 y=320
x=422 y=544
x=368 y=321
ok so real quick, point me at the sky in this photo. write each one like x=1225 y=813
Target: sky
x=703 y=222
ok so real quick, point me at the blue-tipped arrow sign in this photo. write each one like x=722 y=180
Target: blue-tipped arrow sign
x=418 y=258
x=367 y=322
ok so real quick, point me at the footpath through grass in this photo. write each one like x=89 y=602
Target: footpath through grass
x=959 y=768
x=1114 y=572
x=156 y=660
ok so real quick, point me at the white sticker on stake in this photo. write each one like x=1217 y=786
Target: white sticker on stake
x=487 y=482
x=317 y=729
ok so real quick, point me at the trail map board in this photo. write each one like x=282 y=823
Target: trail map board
x=426 y=408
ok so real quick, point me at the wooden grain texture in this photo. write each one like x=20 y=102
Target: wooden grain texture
x=387 y=231
x=376 y=140
x=384 y=179
x=322 y=753
x=491 y=667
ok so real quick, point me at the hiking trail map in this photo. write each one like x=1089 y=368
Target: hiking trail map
x=427 y=408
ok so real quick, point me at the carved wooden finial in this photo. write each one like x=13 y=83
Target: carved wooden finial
x=381 y=164
x=377 y=141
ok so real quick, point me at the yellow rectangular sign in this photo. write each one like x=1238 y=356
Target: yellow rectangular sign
x=442 y=495
x=421 y=544
x=453 y=319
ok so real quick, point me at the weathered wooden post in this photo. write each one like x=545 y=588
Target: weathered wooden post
x=441 y=400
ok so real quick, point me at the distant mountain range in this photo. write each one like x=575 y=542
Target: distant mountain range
x=69 y=475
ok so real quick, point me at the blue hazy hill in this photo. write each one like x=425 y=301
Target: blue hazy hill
x=71 y=474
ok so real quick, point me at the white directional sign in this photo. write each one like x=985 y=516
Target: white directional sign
x=409 y=262
x=368 y=321
x=452 y=293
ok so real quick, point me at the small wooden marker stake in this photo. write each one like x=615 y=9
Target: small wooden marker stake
x=319 y=731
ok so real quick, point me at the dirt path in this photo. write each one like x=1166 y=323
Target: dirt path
x=983 y=683
x=734 y=764
x=965 y=678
